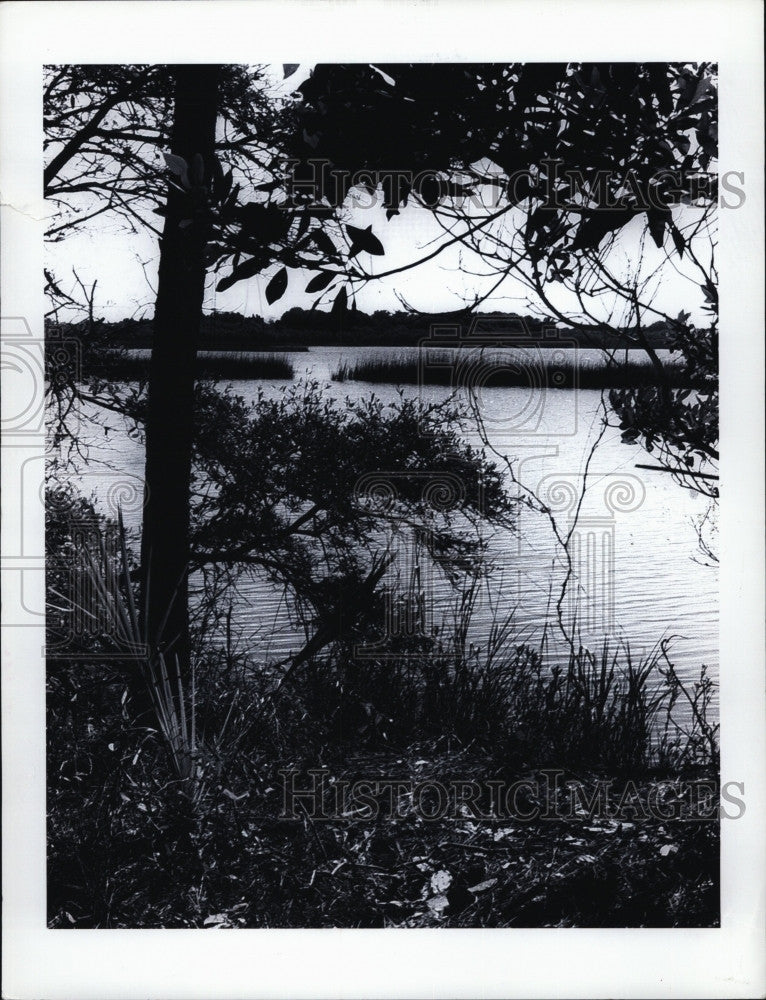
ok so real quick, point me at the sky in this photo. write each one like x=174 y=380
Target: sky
x=125 y=266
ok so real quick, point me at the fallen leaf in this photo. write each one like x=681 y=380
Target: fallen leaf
x=482 y=886
x=441 y=881
x=506 y=831
x=438 y=903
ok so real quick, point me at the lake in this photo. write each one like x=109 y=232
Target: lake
x=637 y=572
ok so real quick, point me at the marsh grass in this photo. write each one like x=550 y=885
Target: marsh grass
x=540 y=371
x=124 y=366
x=601 y=710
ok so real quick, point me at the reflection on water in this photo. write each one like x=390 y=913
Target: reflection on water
x=634 y=572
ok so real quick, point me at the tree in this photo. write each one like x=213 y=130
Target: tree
x=206 y=221
x=541 y=170
x=170 y=409
x=444 y=137
x=104 y=125
x=106 y=129
x=265 y=501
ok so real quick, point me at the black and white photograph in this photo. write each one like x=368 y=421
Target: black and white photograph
x=376 y=406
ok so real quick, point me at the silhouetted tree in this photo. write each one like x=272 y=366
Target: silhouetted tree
x=540 y=169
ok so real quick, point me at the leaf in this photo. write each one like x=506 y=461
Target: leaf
x=657 y=222
x=288 y=69
x=593 y=229
x=482 y=886
x=438 y=903
x=250 y=267
x=363 y=239
x=303 y=225
x=321 y=281
x=667 y=849
x=277 y=287
x=235 y=798
x=223 y=186
x=678 y=241
x=324 y=242
x=441 y=881
x=231 y=201
x=178 y=166
x=216 y=173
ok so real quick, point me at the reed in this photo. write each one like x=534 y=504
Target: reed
x=522 y=703
x=540 y=371
x=122 y=366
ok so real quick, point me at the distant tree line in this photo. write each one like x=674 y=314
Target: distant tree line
x=306 y=327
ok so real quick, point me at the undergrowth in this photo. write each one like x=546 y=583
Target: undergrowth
x=134 y=840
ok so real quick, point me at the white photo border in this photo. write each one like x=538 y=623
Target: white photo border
x=723 y=962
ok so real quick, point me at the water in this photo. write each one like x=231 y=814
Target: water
x=636 y=572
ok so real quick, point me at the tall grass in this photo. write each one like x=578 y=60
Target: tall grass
x=601 y=709
x=454 y=370
x=172 y=697
x=124 y=366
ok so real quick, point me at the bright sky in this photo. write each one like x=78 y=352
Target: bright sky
x=125 y=266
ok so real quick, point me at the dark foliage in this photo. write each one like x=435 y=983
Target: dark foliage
x=127 y=847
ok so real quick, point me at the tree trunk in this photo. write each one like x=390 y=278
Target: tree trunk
x=170 y=416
